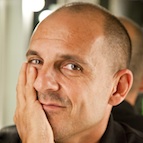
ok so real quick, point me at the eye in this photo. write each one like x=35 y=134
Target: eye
x=35 y=61
x=72 y=67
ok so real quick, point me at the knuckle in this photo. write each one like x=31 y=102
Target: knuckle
x=15 y=117
x=28 y=85
x=19 y=88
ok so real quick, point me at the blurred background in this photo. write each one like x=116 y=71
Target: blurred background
x=18 y=18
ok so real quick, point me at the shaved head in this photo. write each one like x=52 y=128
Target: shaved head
x=81 y=53
x=116 y=47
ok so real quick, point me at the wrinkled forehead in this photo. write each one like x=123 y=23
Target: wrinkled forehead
x=64 y=26
x=75 y=33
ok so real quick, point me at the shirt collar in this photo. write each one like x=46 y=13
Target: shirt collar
x=114 y=133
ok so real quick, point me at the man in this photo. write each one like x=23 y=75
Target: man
x=125 y=112
x=76 y=71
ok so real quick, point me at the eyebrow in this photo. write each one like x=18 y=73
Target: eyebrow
x=66 y=57
x=31 y=52
x=73 y=57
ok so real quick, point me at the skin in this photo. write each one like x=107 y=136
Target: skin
x=60 y=96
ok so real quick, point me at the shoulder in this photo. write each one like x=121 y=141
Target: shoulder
x=9 y=134
x=121 y=133
x=131 y=135
x=125 y=113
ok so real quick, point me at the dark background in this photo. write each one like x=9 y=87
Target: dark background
x=133 y=8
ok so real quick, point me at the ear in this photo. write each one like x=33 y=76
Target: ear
x=141 y=86
x=123 y=82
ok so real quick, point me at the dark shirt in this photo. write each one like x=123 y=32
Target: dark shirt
x=9 y=134
x=121 y=133
x=115 y=133
x=124 y=112
x=139 y=104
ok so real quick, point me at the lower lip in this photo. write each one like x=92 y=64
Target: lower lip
x=52 y=107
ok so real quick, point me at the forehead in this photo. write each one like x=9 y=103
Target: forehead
x=64 y=25
x=51 y=49
x=69 y=33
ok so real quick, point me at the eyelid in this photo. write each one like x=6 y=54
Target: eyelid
x=30 y=59
x=72 y=63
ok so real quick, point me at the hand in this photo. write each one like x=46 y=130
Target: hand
x=30 y=118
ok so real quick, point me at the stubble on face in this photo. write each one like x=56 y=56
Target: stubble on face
x=67 y=122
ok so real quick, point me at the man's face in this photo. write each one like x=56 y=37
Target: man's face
x=73 y=81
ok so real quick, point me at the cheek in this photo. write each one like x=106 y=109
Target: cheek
x=95 y=98
x=86 y=95
x=76 y=91
x=82 y=96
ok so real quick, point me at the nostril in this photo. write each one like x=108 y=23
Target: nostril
x=45 y=82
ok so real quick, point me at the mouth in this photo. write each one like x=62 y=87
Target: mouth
x=52 y=107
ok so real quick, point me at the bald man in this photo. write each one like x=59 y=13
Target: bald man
x=76 y=71
x=125 y=112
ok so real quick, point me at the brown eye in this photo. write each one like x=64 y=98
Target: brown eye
x=35 y=61
x=72 y=67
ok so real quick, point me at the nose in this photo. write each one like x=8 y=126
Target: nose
x=46 y=80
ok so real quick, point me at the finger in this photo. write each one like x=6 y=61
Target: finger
x=21 y=85
x=20 y=97
x=30 y=91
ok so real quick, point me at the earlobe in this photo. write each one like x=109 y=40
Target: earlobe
x=123 y=83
